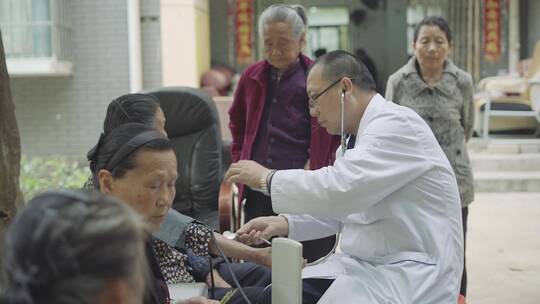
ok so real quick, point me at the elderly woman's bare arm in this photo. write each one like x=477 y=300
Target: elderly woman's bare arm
x=201 y=240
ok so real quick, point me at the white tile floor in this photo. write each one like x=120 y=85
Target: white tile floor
x=503 y=249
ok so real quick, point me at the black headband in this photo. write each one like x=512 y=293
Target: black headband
x=132 y=145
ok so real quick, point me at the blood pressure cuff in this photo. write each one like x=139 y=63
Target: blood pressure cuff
x=198 y=266
x=132 y=145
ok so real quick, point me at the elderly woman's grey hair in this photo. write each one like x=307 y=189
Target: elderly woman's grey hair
x=64 y=246
x=295 y=15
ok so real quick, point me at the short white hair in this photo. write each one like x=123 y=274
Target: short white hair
x=295 y=15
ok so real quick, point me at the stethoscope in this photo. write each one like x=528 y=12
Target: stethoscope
x=343 y=136
x=343 y=146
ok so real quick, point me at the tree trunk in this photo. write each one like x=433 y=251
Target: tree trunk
x=10 y=151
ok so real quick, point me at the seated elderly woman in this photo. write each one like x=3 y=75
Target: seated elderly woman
x=139 y=108
x=145 y=109
x=136 y=163
x=73 y=247
x=76 y=247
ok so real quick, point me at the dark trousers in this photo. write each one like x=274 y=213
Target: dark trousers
x=255 y=281
x=312 y=291
x=464 y=215
x=258 y=204
x=252 y=277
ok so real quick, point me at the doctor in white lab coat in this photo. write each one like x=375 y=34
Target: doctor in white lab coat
x=394 y=197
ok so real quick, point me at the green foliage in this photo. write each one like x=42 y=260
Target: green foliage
x=52 y=172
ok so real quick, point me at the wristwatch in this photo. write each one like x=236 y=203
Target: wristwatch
x=266 y=181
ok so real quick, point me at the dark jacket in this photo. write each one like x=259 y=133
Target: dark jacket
x=156 y=287
x=247 y=109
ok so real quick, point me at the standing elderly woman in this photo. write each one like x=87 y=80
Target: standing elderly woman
x=269 y=118
x=442 y=94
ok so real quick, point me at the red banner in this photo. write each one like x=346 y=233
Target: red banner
x=492 y=30
x=244 y=31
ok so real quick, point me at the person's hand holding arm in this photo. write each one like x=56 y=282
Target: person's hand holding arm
x=263 y=228
x=240 y=251
x=257 y=177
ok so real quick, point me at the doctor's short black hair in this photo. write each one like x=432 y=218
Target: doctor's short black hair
x=340 y=63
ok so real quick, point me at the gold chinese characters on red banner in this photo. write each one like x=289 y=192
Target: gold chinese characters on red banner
x=244 y=31
x=492 y=30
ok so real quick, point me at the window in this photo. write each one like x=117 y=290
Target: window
x=328 y=29
x=36 y=36
x=415 y=13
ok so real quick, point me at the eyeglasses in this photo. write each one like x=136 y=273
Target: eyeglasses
x=313 y=100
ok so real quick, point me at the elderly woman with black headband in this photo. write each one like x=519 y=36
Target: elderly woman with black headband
x=178 y=232
x=136 y=163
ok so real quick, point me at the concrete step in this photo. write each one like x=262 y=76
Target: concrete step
x=507 y=181
x=504 y=146
x=505 y=162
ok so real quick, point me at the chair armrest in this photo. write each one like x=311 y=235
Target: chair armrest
x=225 y=205
x=230 y=210
x=534 y=82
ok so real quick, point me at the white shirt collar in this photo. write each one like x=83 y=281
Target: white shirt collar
x=372 y=108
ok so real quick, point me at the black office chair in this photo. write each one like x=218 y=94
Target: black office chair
x=193 y=128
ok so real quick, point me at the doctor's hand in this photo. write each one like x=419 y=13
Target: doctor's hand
x=247 y=172
x=263 y=227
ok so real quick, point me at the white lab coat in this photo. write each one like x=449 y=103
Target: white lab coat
x=396 y=197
